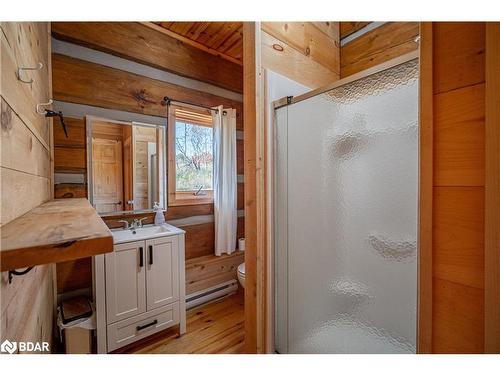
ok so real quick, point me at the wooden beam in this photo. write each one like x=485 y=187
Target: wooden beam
x=492 y=192
x=137 y=42
x=424 y=342
x=191 y=42
x=384 y=43
x=347 y=28
x=83 y=82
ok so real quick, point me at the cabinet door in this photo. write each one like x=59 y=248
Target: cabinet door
x=162 y=276
x=126 y=281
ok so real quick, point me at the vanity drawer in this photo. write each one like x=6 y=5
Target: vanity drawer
x=132 y=329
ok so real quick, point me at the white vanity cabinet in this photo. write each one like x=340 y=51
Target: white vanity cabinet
x=139 y=288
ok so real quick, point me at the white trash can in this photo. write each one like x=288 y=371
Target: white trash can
x=76 y=321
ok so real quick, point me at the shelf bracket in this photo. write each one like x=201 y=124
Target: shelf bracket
x=13 y=273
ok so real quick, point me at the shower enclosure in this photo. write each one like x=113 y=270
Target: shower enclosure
x=345 y=207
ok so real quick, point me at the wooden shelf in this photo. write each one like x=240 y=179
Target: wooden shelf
x=56 y=231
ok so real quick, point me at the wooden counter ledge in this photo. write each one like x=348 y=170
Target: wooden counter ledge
x=56 y=231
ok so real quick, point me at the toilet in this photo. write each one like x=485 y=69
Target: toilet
x=241 y=274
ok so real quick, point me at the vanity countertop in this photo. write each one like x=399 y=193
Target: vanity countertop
x=144 y=233
x=56 y=231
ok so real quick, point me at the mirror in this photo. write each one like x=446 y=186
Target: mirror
x=126 y=162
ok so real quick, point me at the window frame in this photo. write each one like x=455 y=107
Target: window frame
x=182 y=198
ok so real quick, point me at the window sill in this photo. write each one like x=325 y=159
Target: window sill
x=189 y=199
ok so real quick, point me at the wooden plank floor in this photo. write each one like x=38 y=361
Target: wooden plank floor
x=216 y=328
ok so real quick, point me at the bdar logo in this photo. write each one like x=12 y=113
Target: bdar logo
x=8 y=347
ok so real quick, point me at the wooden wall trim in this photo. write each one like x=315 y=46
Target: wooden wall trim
x=136 y=42
x=251 y=45
x=492 y=191
x=424 y=342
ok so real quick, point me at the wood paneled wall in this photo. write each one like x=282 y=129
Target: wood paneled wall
x=381 y=44
x=306 y=52
x=458 y=187
x=27 y=304
x=82 y=82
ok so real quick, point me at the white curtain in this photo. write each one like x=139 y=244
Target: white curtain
x=225 y=183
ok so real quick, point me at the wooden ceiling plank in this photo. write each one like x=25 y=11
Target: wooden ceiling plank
x=235 y=38
x=209 y=32
x=227 y=32
x=144 y=44
x=197 y=29
x=193 y=43
x=181 y=28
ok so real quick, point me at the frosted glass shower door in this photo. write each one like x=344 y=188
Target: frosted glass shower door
x=346 y=179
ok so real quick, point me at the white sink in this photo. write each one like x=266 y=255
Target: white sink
x=146 y=232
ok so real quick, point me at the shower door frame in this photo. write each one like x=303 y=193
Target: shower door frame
x=424 y=222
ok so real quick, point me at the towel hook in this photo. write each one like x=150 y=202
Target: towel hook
x=19 y=69
x=42 y=112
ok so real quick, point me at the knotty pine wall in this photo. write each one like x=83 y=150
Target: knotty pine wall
x=27 y=304
x=306 y=52
x=76 y=80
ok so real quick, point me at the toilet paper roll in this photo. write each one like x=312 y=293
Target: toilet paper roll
x=241 y=244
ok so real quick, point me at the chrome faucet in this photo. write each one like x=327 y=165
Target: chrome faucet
x=136 y=223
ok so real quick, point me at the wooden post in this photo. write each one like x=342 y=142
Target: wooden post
x=492 y=192
x=424 y=344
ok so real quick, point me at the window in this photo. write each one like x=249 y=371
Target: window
x=190 y=172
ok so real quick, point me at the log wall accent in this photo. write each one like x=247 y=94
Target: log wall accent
x=383 y=43
x=27 y=304
x=137 y=42
x=207 y=271
x=83 y=82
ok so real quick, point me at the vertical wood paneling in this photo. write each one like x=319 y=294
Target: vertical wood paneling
x=459 y=137
x=459 y=235
x=458 y=214
x=458 y=55
x=492 y=187
x=458 y=318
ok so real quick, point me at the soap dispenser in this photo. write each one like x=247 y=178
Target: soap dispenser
x=159 y=218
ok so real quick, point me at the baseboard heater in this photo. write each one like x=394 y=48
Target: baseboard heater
x=215 y=292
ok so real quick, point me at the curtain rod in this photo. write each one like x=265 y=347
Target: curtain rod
x=167 y=101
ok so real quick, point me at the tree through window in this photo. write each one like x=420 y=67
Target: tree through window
x=190 y=172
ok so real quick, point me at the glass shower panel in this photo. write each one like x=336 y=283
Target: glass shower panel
x=346 y=180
